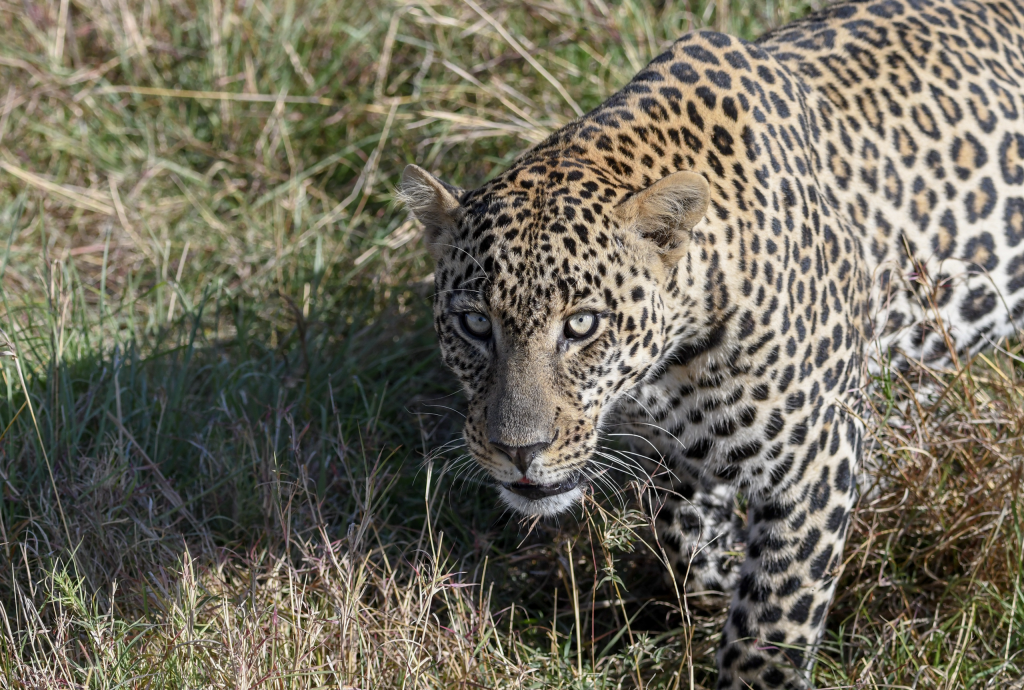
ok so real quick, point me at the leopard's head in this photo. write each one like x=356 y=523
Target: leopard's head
x=553 y=295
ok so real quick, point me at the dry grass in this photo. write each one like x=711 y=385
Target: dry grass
x=226 y=455
x=932 y=586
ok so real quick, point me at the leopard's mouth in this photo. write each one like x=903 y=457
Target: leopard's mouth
x=535 y=492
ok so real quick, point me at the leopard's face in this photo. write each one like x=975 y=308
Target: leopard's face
x=549 y=307
x=543 y=343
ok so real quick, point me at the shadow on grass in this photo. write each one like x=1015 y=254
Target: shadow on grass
x=277 y=476
x=231 y=484
x=205 y=462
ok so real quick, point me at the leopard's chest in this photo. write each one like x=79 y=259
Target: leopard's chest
x=704 y=418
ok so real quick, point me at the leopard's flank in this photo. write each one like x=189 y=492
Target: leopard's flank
x=714 y=259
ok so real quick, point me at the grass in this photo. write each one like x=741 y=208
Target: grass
x=227 y=453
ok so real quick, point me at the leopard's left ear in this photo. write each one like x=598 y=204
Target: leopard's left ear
x=666 y=212
x=433 y=203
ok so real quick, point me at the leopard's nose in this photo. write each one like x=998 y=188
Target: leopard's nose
x=522 y=456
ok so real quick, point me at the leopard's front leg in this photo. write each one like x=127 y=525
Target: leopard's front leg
x=795 y=542
x=700 y=533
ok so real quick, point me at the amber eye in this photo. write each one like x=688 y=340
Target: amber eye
x=477 y=325
x=580 y=326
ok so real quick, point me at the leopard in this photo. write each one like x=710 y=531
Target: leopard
x=715 y=263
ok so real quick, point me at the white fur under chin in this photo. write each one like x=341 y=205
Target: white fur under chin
x=548 y=506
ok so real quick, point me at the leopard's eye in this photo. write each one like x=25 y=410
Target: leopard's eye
x=580 y=326
x=477 y=325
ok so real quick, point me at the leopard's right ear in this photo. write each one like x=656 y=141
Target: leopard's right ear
x=665 y=212
x=433 y=203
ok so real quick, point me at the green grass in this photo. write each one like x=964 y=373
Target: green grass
x=229 y=453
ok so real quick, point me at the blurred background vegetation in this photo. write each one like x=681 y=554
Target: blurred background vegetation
x=229 y=451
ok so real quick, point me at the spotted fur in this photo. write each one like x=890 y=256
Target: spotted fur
x=864 y=174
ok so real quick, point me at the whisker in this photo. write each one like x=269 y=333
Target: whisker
x=484 y=276
x=620 y=465
x=458 y=289
x=626 y=457
x=642 y=438
x=450 y=409
x=457 y=466
x=641 y=406
x=449 y=445
x=435 y=454
x=466 y=471
x=663 y=466
x=607 y=488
